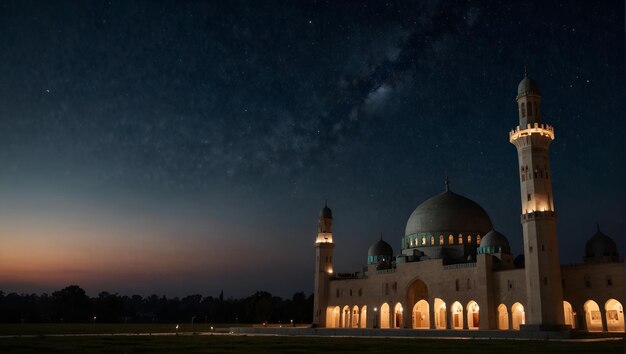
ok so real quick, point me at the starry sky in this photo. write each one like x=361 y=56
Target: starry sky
x=187 y=147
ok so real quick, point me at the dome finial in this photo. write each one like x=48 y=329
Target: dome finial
x=525 y=71
x=381 y=236
x=598 y=226
x=326 y=203
x=447 y=183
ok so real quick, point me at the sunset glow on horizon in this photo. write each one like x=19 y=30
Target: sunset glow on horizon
x=180 y=148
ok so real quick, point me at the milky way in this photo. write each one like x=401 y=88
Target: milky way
x=219 y=129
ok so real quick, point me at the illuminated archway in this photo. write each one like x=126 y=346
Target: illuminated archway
x=569 y=314
x=614 y=316
x=418 y=292
x=421 y=315
x=355 y=317
x=363 y=317
x=457 y=315
x=384 y=316
x=593 y=316
x=440 y=314
x=503 y=317
x=473 y=318
x=333 y=317
x=518 y=316
x=345 y=317
x=397 y=316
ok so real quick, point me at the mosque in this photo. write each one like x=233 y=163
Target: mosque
x=456 y=272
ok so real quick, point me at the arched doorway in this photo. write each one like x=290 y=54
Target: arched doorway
x=473 y=317
x=384 y=316
x=421 y=315
x=440 y=314
x=345 y=323
x=593 y=317
x=397 y=315
x=503 y=317
x=614 y=316
x=518 y=316
x=363 y=317
x=418 y=292
x=333 y=317
x=355 y=317
x=457 y=315
x=569 y=314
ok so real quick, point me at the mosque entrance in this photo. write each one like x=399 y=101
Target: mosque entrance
x=417 y=300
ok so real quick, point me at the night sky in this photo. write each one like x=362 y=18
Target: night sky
x=187 y=147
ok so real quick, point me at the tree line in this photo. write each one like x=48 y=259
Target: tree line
x=72 y=305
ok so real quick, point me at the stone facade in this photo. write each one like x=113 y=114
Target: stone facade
x=455 y=273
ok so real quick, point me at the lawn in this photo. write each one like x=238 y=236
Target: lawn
x=107 y=328
x=273 y=344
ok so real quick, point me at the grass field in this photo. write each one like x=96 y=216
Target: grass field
x=41 y=339
x=106 y=328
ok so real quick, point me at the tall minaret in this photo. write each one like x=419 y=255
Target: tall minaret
x=323 y=265
x=544 y=294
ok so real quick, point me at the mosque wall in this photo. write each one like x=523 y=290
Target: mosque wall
x=596 y=293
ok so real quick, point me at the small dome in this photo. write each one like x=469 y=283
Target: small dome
x=494 y=242
x=526 y=86
x=380 y=248
x=600 y=246
x=448 y=213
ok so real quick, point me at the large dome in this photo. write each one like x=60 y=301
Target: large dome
x=448 y=213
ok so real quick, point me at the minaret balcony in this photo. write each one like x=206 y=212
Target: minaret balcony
x=536 y=128
x=537 y=215
x=324 y=237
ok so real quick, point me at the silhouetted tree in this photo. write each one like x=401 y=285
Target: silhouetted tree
x=71 y=304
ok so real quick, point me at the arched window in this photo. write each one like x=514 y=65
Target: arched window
x=450 y=240
x=423 y=240
x=530 y=108
x=432 y=240
x=522 y=109
x=469 y=239
x=460 y=239
x=478 y=239
x=440 y=239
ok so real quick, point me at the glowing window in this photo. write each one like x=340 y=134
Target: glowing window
x=469 y=239
x=450 y=240
x=432 y=240
x=478 y=239
x=460 y=239
x=423 y=240
x=441 y=239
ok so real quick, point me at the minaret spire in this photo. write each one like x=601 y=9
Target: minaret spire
x=447 y=182
x=525 y=71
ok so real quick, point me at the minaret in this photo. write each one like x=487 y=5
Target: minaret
x=544 y=294
x=323 y=266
